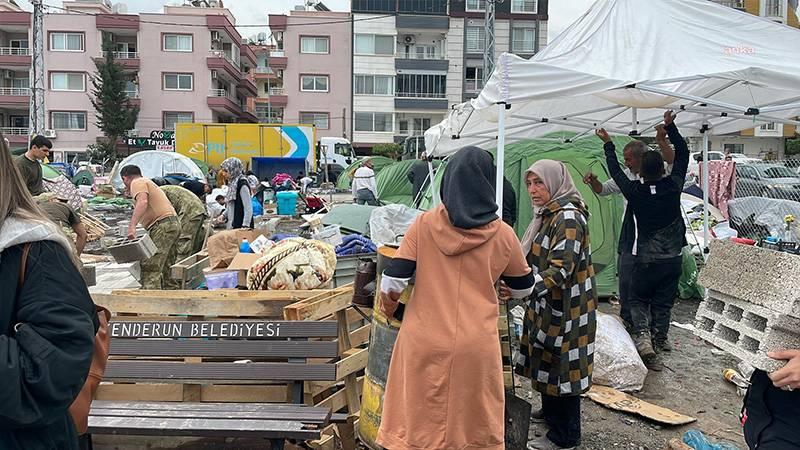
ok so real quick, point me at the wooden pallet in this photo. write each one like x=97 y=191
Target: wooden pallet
x=344 y=394
x=95 y=228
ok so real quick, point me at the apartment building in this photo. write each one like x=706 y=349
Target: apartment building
x=768 y=140
x=313 y=76
x=268 y=76
x=188 y=64
x=414 y=59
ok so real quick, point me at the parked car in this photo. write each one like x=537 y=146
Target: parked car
x=767 y=180
x=694 y=165
x=741 y=158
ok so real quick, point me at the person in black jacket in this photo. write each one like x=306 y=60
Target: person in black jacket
x=48 y=323
x=239 y=199
x=655 y=203
x=418 y=176
x=771 y=411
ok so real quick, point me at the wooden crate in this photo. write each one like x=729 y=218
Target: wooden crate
x=95 y=228
x=189 y=272
x=344 y=394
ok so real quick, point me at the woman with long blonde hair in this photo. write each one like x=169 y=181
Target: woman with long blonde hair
x=47 y=320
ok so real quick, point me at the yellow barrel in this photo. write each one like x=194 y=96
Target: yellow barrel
x=381 y=343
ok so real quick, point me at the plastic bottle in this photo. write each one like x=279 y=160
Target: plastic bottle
x=735 y=378
x=244 y=247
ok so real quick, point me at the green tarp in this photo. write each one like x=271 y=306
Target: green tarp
x=378 y=164
x=49 y=173
x=394 y=185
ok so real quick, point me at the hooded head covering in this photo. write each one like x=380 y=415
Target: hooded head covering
x=235 y=170
x=468 y=188
x=559 y=182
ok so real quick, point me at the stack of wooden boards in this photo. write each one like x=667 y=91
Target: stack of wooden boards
x=95 y=228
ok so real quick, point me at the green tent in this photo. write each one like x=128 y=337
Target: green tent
x=581 y=156
x=200 y=164
x=378 y=164
x=394 y=185
x=49 y=173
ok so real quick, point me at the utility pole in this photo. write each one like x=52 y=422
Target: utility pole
x=36 y=123
x=489 y=40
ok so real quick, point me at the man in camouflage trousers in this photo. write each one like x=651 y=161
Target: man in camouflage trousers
x=191 y=217
x=154 y=211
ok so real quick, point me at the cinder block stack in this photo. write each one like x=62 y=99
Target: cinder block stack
x=753 y=303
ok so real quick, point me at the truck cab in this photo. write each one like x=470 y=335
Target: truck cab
x=336 y=154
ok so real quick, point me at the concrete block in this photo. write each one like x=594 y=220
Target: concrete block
x=125 y=250
x=746 y=330
x=89 y=273
x=759 y=276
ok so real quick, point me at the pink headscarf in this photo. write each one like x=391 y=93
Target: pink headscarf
x=559 y=182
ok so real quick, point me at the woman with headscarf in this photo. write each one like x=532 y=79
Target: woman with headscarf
x=557 y=345
x=445 y=384
x=239 y=204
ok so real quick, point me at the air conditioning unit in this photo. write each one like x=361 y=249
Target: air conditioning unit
x=50 y=134
x=8 y=74
x=214 y=74
x=409 y=39
x=215 y=36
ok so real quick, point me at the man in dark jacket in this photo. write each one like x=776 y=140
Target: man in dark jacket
x=418 y=176
x=509 y=203
x=655 y=204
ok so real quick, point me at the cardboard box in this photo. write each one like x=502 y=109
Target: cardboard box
x=241 y=263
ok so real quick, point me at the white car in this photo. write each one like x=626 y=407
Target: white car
x=743 y=159
x=693 y=165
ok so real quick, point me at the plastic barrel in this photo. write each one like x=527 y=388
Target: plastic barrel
x=287 y=203
x=381 y=343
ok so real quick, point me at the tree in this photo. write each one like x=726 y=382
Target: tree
x=115 y=113
x=793 y=147
x=391 y=151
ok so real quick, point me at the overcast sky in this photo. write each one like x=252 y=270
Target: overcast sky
x=251 y=12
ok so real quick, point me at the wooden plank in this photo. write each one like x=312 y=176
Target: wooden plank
x=326 y=442
x=360 y=336
x=195 y=305
x=231 y=372
x=319 y=309
x=239 y=329
x=194 y=410
x=354 y=361
x=145 y=426
x=220 y=294
x=190 y=267
x=338 y=400
x=244 y=394
x=140 y=392
x=224 y=348
x=351 y=393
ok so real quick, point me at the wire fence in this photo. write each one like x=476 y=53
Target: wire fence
x=750 y=198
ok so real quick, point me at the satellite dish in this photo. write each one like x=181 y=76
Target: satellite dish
x=262 y=37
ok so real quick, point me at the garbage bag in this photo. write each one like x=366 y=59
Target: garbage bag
x=616 y=362
x=389 y=223
x=687 y=284
x=698 y=441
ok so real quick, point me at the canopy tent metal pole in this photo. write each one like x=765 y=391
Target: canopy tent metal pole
x=499 y=159
x=708 y=101
x=759 y=118
x=770 y=109
x=706 y=131
x=634 y=121
x=601 y=123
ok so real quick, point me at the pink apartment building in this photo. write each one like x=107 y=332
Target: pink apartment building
x=188 y=64
x=311 y=69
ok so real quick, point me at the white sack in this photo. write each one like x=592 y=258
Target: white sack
x=616 y=362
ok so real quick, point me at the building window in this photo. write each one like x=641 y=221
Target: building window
x=18 y=43
x=319 y=120
x=68 y=120
x=374 y=122
x=421 y=86
x=772 y=126
x=374 y=44
x=773 y=8
x=314 y=83
x=523 y=40
x=311 y=44
x=473 y=81
x=67 y=81
x=171 y=118
x=177 y=42
x=476 y=5
x=476 y=37
x=66 y=42
x=523 y=6
x=374 y=85
x=733 y=148
x=403 y=127
x=178 y=81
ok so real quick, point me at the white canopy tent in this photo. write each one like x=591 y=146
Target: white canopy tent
x=625 y=62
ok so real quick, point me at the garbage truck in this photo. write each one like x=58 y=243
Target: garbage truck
x=266 y=149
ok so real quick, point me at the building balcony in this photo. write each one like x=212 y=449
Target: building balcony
x=219 y=60
x=263 y=73
x=417 y=22
x=133 y=97
x=276 y=97
x=278 y=22
x=247 y=87
x=420 y=61
x=15 y=57
x=15 y=135
x=277 y=60
x=248 y=114
x=117 y=22
x=222 y=101
x=128 y=60
x=419 y=100
x=15 y=97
